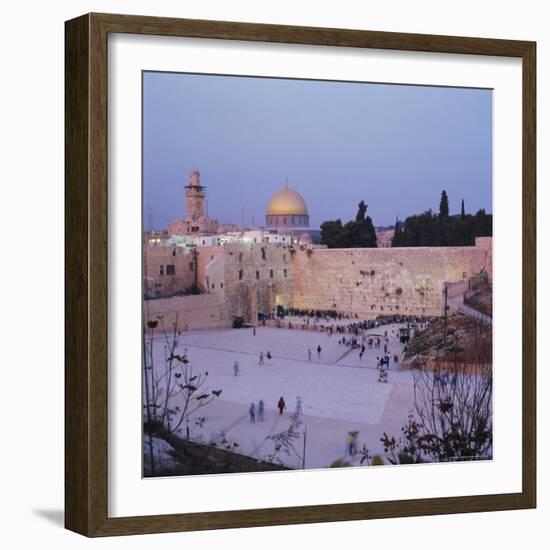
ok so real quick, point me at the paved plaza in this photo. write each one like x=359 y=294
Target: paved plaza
x=339 y=391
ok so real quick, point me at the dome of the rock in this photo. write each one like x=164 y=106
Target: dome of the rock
x=287 y=201
x=287 y=208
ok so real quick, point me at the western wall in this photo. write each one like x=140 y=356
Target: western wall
x=380 y=281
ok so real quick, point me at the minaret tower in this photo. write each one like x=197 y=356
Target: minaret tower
x=195 y=196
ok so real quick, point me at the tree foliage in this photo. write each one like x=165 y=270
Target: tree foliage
x=430 y=229
x=332 y=233
x=361 y=212
x=444 y=206
x=285 y=442
x=358 y=233
x=452 y=417
x=451 y=421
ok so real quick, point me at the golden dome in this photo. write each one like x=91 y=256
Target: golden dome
x=287 y=202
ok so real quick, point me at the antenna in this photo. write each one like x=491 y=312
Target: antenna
x=149 y=217
x=242 y=210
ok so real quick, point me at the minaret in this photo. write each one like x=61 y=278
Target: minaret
x=195 y=196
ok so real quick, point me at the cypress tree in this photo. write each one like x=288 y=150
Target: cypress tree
x=444 y=206
x=370 y=233
x=362 y=210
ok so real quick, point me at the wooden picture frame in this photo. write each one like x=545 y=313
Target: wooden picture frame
x=86 y=282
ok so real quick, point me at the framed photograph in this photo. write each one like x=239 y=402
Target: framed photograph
x=300 y=274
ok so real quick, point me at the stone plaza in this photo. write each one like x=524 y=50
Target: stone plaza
x=340 y=392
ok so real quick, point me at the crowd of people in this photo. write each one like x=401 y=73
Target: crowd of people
x=258 y=413
x=330 y=320
x=326 y=314
x=333 y=315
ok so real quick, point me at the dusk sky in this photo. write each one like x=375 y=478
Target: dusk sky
x=396 y=147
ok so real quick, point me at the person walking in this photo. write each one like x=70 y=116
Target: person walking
x=261 y=410
x=253 y=331
x=299 y=407
x=252 y=413
x=268 y=355
x=261 y=358
x=309 y=354
x=349 y=444
x=319 y=351
x=236 y=369
x=281 y=405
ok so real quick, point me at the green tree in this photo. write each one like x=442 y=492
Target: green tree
x=358 y=233
x=429 y=229
x=444 y=206
x=332 y=233
x=361 y=212
x=370 y=233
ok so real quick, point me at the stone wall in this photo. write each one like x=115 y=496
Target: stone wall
x=487 y=244
x=199 y=312
x=371 y=282
x=167 y=270
x=215 y=276
x=205 y=256
x=257 y=278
